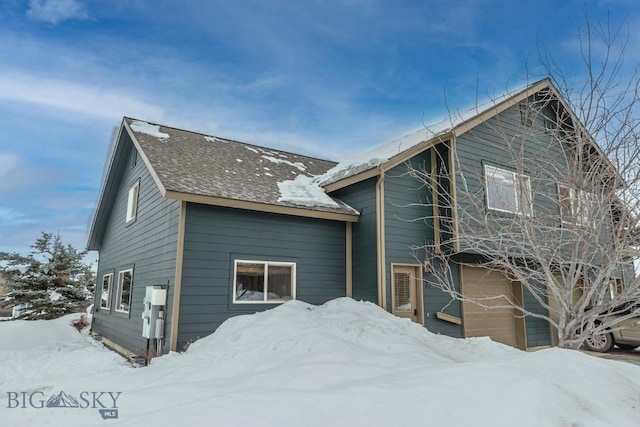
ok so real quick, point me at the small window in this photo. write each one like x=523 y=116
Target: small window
x=123 y=296
x=526 y=115
x=566 y=196
x=576 y=206
x=616 y=287
x=508 y=191
x=132 y=201
x=105 y=296
x=134 y=158
x=264 y=282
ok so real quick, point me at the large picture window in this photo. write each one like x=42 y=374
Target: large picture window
x=264 y=282
x=105 y=295
x=123 y=296
x=507 y=191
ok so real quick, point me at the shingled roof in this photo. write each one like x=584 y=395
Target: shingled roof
x=187 y=164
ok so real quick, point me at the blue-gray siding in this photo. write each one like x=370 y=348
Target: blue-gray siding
x=541 y=156
x=148 y=245
x=504 y=142
x=538 y=332
x=362 y=197
x=216 y=236
x=408 y=224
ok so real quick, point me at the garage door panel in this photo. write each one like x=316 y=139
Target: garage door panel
x=497 y=323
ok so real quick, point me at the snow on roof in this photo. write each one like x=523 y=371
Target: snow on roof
x=148 y=129
x=298 y=165
x=303 y=191
x=206 y=165
x=381 y=154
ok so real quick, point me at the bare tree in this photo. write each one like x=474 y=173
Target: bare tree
x=561 y=218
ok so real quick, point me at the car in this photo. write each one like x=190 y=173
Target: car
x=626 y=334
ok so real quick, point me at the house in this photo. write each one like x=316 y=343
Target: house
x=193 y=229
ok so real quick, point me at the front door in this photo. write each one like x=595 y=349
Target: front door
x=407 y=292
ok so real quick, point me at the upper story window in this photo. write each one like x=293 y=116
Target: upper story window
x=132 y=201
x=507 y=191
x=123 y=294
x=576 y=206
x=264 y=282
x=526 y=114
x=105 y=295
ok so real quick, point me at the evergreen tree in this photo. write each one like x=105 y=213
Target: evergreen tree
x=51 y=281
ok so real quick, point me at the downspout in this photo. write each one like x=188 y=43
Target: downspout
x=349 y=259
x=453 y=190
x=380 y=241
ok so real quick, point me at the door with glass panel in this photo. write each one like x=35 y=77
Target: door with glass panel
x=407 y=292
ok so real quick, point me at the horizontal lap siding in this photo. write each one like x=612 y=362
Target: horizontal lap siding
x=362 y=197
x=435 y=300
x=216 y=236
x=543 y=161
x=538 y=332
x=149 y=245
x=409 y=222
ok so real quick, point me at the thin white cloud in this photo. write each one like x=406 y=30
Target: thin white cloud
x=9 y=162
x=56 y=11
x=11 y=217
x=82 y=99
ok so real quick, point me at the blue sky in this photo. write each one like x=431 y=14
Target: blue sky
x=323 y=78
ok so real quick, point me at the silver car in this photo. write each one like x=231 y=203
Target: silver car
x=626 y=336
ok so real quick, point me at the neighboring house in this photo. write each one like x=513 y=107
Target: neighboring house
x=229 y=228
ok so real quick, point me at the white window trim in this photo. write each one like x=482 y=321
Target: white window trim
x=571 y=201
x=575 y=198
x=266 y=280
x=121 y=274
x=108 y=300
x=518 y=179
x=132 y=202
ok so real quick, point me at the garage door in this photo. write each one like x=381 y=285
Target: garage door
x=499 y=324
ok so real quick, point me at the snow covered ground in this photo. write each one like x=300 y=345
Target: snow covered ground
x=345 y=363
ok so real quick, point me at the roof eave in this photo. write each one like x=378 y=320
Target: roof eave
x=95 y=229
x=262 y=207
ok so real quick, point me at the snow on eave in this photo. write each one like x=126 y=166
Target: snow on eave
x=384 y=153
x=304 y=191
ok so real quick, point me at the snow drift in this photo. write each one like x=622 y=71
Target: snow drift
x=344 y=363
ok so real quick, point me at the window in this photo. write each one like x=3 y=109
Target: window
x=526 y=115
x=616 y=287
x=576 y=206
x=123 y=296
x=507 y=191
x=105 y=296
x=264 y=282
x=132 y=202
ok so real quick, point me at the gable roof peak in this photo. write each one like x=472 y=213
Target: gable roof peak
x=439 y=130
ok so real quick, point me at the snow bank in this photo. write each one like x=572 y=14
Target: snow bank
x=344 y=363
